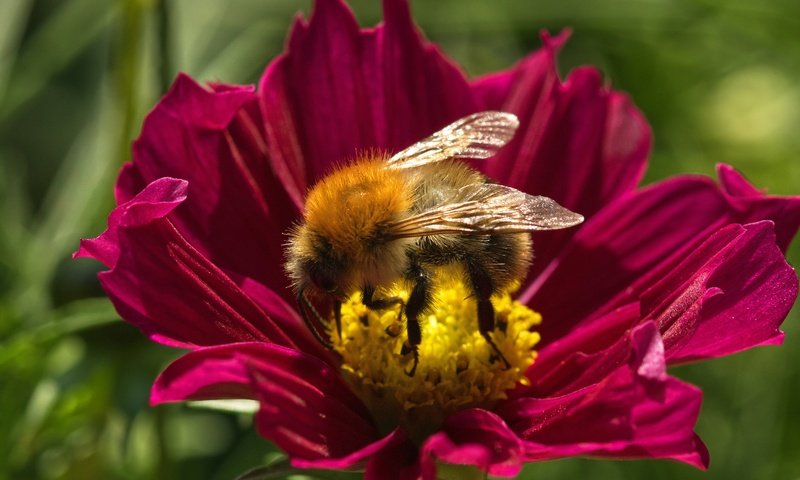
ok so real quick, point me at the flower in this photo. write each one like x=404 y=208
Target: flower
x=682 y=270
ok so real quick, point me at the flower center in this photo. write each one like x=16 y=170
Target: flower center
x=457 y=368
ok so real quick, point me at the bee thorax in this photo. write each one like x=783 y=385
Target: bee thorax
x=350 y=208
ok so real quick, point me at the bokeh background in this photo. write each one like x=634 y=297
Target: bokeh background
x=718 y=80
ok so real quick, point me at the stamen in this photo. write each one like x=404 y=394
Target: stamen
x=457 y=368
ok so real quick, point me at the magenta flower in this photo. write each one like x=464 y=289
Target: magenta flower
x=678 y=271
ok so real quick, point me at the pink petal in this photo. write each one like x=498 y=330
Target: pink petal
x=285 y=315
x=208 y=373
x=755 y=205
x=730 y=294
x=304 y=420
x=338 y=91
x=621 y=244
x=155 y=201
x=586 y=356
x=631 y=245
x=579 y=142
x=365 y=456
x=474 y=437
x=398 y=461
x=655 y=429
x=629 y=408
x=129 y=183
x=237 y=210
x=305 y=407
x=163 y=285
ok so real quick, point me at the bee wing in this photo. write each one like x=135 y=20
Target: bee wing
x=479 y=136
x=487 y=209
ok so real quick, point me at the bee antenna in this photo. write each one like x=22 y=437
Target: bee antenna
x=305 y=306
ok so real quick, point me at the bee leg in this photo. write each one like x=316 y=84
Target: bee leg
x=482 y=285
x=418 y=301
x=380 y=303
x=305 y=306
x=337 y=316
x=486 y=326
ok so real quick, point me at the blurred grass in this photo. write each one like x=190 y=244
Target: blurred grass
x=717 y=80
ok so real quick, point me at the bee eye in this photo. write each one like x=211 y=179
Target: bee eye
x=322 y=281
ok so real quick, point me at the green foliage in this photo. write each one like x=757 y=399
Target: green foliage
x=717 y=80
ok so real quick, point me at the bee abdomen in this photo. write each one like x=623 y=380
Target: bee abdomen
x=504 y=257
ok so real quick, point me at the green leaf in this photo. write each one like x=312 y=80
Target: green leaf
x=46 y=50
x=75 y=197
x=13 y=19
x=73 y=317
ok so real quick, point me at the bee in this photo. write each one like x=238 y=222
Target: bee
x=380 y=219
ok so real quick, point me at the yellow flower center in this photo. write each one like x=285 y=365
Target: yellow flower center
x=457 y=368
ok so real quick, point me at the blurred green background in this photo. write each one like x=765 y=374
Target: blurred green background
x=716 y=78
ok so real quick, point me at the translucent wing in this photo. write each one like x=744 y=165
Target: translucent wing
x=479 y=136
x=485 y=209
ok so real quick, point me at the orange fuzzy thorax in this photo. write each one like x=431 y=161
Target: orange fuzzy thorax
x=349 y=206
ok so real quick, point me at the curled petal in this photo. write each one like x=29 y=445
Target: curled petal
x=729 y=294
x=208 y=373
x=236 y=210
x=586 y=356
x=754 y=205
x=656 y=429
x=632 y=244
x=474 y=437
x=622 y=244
x=630 y=409
x=155 y=201
x=162 y=284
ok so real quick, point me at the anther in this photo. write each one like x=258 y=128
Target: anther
x=394 y=330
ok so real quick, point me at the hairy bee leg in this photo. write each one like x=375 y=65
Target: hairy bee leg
x=486 y=326
x=337 y=315
x=379 y=303
x=305 y=305
x=482 y=285
x=418 y=301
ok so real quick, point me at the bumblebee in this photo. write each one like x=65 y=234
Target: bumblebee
x=380 y=219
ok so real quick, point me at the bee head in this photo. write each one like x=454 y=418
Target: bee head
x=313 y=264
x=322 y=280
